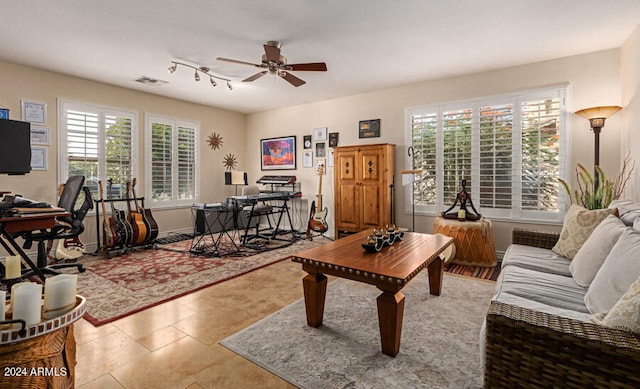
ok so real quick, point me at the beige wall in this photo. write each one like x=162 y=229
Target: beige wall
x=594 y=80
x=631 y=112
x=20 y=82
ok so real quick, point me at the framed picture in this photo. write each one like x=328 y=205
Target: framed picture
x=320 y=150
x=369 y=128
x=40 y=136
x=307 y=141
x=320 y=133
x=333 y=139
x=278 y=153
x=38 y=158
x=34 y=112
x=307 y=159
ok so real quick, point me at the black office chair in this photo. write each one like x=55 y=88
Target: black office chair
x=67 y=227
x=253 y=213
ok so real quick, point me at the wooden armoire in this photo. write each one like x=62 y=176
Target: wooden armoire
x=363 y=187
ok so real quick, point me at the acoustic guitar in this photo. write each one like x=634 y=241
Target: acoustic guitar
x=149 y=222
x=135 y=218
x=123 y=227
x=109 y=234
x=318 y=217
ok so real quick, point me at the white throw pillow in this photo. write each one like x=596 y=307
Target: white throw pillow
x=578 y=224
x=625 y=314
x=617 y=273
x=594 y=251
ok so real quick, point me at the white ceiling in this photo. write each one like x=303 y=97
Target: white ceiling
x=367 y=44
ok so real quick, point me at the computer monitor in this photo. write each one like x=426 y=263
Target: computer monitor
x=15 y=147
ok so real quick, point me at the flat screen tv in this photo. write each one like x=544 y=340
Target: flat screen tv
x=15 y=147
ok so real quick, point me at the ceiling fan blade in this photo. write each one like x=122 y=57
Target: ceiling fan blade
x=239 y=62
x=255 y=76
x=272 y=52
x=293 y=80
x=313 y=66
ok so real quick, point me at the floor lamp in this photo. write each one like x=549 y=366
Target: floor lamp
x=597 y=116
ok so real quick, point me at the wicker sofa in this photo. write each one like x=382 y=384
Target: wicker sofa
x=530 y=347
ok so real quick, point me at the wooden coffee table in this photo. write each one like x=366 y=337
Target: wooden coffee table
x=389 y=270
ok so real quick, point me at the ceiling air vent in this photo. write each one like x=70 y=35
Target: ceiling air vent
x=150 y=81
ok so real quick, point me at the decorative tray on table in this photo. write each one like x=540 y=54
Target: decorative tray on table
x=382 y=238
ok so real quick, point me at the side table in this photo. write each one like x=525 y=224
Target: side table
x=473 y=239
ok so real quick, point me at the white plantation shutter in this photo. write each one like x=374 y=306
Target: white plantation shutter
x=172 y=161
x=424 y=131
x=186 y=163
x=510 y=150
x=456 y=130
x=161 y=161
x=496 y=156
x=540 y=154
x=98 y=143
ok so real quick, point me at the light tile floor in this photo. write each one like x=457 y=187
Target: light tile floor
x=174 y=345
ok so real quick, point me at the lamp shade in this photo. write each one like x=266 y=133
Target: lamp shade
x=238 y=178
x=598 y=112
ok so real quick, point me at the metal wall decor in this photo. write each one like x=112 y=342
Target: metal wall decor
x=230 y=161
x=215 y=141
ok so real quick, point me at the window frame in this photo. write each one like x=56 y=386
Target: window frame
x=515 y=213
x=175 y=123
x=101 y=111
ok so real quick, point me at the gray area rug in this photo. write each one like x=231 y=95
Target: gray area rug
x=439 y=346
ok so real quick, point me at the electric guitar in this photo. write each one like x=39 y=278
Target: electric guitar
x=109 y=234
x=135 y=218
x=123 y=227
x=318 y=217
x=149 y=222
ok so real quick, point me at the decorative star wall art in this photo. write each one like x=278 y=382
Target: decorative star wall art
x=230 y=161
x=215 y=141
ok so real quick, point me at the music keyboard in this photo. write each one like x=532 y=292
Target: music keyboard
x=276 y=180
x=264 y=196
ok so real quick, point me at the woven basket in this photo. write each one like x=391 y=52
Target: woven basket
x=46 y=361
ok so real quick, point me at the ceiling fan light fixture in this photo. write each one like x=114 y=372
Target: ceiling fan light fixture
x=200 y=69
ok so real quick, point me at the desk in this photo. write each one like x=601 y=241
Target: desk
x=389 y=270
x=12 y=225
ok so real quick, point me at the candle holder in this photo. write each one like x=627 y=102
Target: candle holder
x=381 y=238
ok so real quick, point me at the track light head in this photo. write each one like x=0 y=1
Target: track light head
x=173 y=68
x=229 y=85
x=197 y=76
x=213 y=82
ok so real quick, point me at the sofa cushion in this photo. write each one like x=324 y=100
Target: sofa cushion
x=628 y=210
x=594 y=251
x=545 y=288
x=578 y=224
x=536 y=258
x=617 y=273
x=625 y=314
x=534 y=305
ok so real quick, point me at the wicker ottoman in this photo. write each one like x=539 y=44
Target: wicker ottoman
x=473 y=239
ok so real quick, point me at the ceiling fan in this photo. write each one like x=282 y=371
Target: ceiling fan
x=276 y=64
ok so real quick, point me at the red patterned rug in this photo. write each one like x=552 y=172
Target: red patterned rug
x=132 y=282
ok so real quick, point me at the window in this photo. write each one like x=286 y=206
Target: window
x=509 y=149
x=171 y=158
x=99 y=143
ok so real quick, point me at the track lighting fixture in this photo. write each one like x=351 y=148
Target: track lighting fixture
x=198 y=70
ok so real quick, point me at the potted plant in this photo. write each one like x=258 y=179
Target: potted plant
x=593 y=194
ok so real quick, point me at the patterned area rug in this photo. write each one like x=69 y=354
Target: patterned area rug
x=141 y=279
x=439 y=345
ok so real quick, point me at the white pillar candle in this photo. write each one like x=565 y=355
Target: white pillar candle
x=3 y=300
x=60 y=292
x=12 y=267
x=27 y=298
